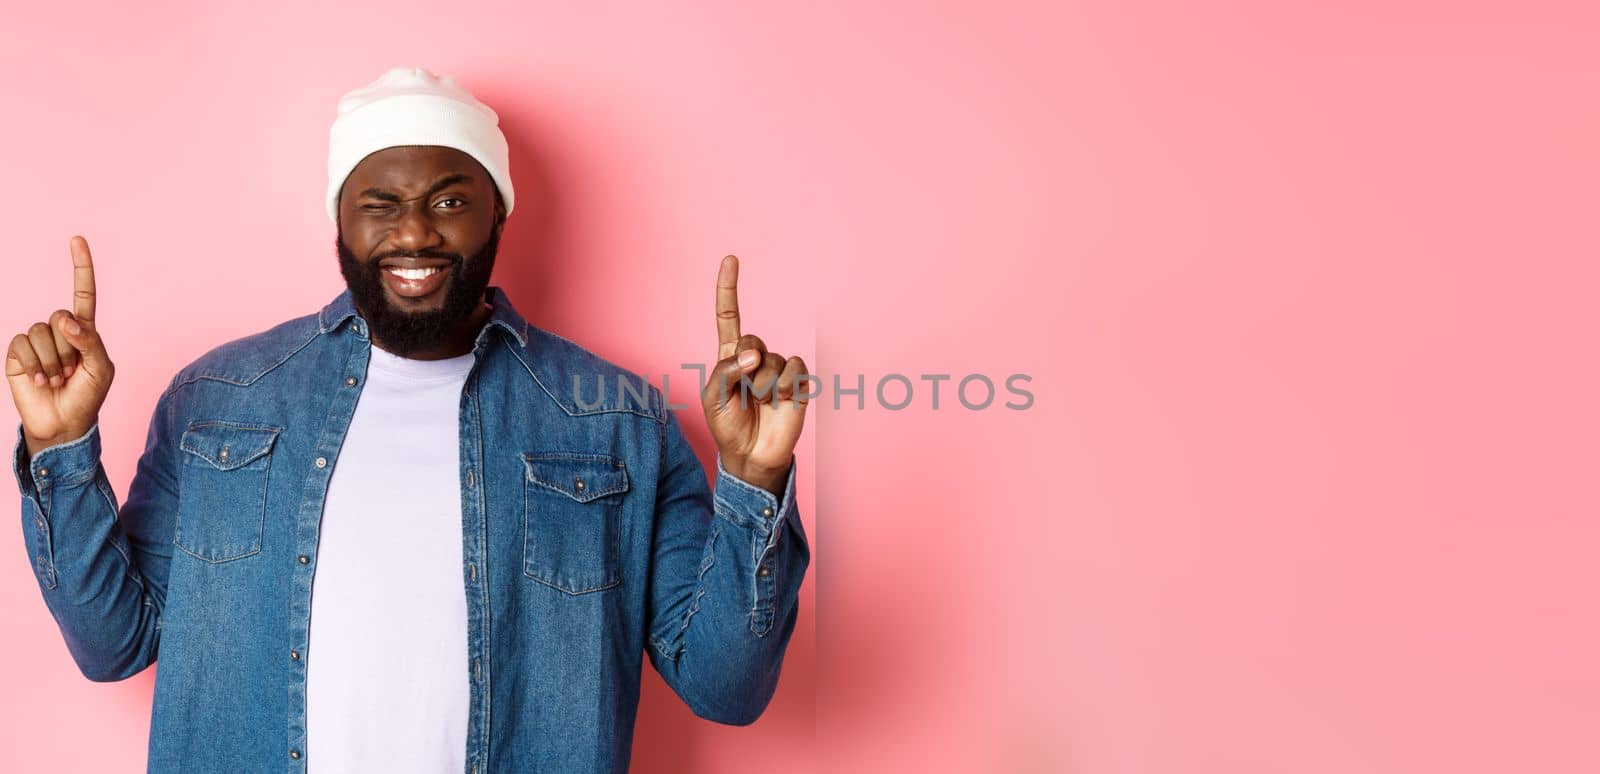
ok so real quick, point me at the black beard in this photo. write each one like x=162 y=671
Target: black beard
x=404 y=332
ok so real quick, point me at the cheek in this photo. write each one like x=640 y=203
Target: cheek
x=360 y=240
x=465 y=240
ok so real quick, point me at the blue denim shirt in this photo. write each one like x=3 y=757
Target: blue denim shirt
x=590 y=539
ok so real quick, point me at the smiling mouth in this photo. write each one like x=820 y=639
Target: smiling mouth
x=414 y=274
x=418 y=282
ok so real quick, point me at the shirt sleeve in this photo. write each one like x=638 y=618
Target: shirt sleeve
x=59 y=469
x=727 y=565
x=769 y=522
x=101 y=569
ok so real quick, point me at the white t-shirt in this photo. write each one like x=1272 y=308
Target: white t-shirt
x=386 y=665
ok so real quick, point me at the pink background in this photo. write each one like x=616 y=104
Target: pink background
x=1306 y=297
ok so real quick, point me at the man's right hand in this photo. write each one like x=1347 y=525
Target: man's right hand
x=58 y=371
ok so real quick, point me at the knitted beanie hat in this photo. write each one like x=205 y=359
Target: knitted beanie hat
x=412 y=106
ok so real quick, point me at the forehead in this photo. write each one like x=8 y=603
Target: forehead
x=410 y=166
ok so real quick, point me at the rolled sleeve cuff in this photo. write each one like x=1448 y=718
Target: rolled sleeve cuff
x=745 y=503
x=64 y=464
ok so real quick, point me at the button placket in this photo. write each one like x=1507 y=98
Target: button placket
x=308 y=524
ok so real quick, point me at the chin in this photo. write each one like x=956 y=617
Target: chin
x=400 y=305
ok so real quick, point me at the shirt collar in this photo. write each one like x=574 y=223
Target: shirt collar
x=504 y=314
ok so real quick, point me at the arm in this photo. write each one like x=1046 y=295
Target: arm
x=104 y=587
x=104 y=579
x=725 y=584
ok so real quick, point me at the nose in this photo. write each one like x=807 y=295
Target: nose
x=414 y=231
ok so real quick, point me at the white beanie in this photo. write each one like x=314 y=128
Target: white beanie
x=412 y=106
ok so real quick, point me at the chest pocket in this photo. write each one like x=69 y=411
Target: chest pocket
x=572 y=511
x=222 y=502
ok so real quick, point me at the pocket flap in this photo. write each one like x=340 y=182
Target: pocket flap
x=582 y=477
x=227 y=445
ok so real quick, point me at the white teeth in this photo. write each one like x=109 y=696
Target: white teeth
x=414 y=274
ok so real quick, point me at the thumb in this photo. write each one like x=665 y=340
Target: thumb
x=81 y=334
x=722 y=389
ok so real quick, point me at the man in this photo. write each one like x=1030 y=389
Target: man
x=401 y=534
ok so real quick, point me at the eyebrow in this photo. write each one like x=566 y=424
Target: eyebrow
x=438 y=185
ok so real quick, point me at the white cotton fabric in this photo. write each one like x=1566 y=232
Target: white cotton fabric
x=386 y=666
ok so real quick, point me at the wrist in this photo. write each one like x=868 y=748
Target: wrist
x=36 y=444
x=770 y=479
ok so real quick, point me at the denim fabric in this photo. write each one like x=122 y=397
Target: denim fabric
x=590 y=538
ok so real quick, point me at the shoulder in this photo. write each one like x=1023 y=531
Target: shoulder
x=582 y=382
x=244 y=360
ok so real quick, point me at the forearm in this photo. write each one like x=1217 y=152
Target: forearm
x=728 y=650
x=82 y=560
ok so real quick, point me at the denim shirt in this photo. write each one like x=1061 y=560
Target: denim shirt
x=589 y=533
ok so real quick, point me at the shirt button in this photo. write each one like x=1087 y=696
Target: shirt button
x=766 y=511
x=322 y=462
x=303 y=559
x=224 y=453
x=350 y=380
x=579 y=484
x=294 y=655
x=764 y=571
x=295 y=754
x=44 y=472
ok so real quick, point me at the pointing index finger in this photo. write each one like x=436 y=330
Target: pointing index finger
x=82 y=280
x=727 y=307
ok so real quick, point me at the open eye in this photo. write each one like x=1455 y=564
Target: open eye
x=459 y=202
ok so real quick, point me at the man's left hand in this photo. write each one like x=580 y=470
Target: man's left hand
x=757 y=423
